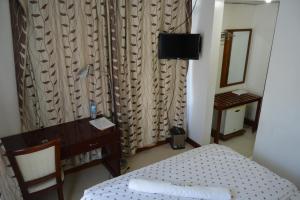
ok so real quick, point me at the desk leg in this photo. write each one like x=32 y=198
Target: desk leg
x=113 y=161
x=257 y=115
x=217 y=133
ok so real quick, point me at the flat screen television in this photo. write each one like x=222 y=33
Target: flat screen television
x=179 y=46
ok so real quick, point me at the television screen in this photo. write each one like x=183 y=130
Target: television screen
x=179 y=46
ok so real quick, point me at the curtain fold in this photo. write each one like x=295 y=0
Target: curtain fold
x=63 y=37
x=9 y=188
x=55 y=39
x=149 y=93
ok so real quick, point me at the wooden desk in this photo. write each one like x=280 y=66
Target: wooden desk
x=229 y=100
x=76 y=137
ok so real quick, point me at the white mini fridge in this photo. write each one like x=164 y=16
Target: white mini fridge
x=232 y=120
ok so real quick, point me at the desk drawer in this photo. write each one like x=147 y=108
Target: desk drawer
x=88 y=146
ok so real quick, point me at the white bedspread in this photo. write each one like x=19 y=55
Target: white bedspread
x=211 y=165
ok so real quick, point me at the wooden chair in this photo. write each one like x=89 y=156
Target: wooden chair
x=38 y=169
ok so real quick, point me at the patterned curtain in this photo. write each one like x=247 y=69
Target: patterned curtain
x=9 y=188
x=150 y=94
x=118 y=37
x=63 y=37
x=55 y=39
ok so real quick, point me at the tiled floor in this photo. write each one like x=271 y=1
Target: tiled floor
x=76 y=183
x=243 y=144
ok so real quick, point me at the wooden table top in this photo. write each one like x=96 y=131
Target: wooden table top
x=71 y=134
x=228 y=100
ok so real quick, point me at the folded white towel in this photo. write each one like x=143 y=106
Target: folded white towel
x=160 y=187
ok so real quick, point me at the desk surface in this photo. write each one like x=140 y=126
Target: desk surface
x=228 y=100
x=76 y=137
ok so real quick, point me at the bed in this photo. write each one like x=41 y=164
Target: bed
x=210 y=165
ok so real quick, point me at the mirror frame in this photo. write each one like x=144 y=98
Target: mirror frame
x=227 y=54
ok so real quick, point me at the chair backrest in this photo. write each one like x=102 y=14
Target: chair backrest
x=38 y=164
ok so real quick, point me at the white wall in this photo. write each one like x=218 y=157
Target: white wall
x=236 y=16
x=262 y=19
x=264 y=23
x=9 y=113
x=207 y=20
x=278 y=139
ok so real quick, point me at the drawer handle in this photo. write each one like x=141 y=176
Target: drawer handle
x=92 y=145
x=238 y=110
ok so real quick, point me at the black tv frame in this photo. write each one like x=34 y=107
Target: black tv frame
x=181 y=58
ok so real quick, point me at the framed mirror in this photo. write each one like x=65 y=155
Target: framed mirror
x=235 y=56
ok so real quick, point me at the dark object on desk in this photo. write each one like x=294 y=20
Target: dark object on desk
x=76 y=137
x=177 y=138
x=34 y=178
x=229 y=100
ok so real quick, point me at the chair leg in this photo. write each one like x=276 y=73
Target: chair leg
x=60 y=192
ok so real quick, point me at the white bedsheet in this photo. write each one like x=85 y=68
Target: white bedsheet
x=210 y=165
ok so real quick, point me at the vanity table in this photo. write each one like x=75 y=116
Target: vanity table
x=230 y=106
x=229 y=100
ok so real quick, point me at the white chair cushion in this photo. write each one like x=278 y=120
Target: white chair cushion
x=37 y=164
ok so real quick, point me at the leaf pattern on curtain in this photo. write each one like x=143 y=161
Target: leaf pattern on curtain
x=9 y=188
x=149 y=93
x=41 y=53
x=98 y=52
x=169 y=75
x=19 y=27
x=64 y=37
x=68 y=24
